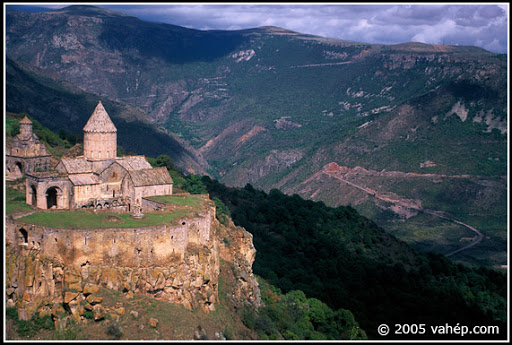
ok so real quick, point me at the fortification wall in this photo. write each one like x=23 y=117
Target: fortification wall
x=116 y=247
x=47 y=266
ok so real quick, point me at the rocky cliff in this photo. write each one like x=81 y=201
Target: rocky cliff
x=37 y=281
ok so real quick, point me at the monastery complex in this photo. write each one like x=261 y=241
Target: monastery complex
x=97 y=179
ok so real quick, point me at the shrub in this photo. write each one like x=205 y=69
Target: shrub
x=11 y=313
x=222 y=212
x=114 y=331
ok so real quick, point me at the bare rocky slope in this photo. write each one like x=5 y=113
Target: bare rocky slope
x=272 y=107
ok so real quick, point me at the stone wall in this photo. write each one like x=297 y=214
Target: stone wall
x=16 y=166
x=144 y=191
x=116 y=247
x=39 y=189
x=56 y=269
x=100 y=146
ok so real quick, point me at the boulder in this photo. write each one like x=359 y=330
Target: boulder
x=93 y=299
x=153 y=322
x=70 y=295
x=58 y=310
x=90 y=289
x=75 y=287
x=98 y=312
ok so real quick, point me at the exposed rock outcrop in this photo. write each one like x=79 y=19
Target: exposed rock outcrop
x=39 y=281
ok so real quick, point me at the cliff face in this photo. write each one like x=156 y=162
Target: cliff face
x=41 y=280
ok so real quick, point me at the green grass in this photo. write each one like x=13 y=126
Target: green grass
x=89 y=220
x=187 y=200
x=15 y=201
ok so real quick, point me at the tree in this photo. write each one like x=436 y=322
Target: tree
x=194 y=185
x=164 y=160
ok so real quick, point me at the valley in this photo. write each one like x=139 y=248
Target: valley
x=419 y=209
x=404 y=208
x=271 y=107
x=343 y=184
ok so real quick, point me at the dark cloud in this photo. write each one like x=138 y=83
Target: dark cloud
x=484 y=25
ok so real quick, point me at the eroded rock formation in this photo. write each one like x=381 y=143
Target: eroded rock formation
x=39 y=279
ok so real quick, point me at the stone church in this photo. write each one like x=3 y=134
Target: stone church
x=98 y=179
x=25 y=153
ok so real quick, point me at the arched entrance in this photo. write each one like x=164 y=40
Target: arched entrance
x=19 y=168
x=34 y=195
x=24 y=236
x=51 y=197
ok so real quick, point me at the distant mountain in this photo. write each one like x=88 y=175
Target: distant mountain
x=60 y=105
x=272 y=107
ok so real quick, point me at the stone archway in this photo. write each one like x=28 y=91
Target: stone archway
x=24 y=236
x=52 y=196
x=19 y=168
x=34 y=195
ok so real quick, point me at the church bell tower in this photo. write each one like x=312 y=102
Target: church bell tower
x=100 y=136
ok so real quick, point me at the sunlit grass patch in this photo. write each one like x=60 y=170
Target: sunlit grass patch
x=15 y=201
x=90 y=220
x=182 y=200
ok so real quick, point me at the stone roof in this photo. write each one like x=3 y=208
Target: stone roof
x=134 y=162
x=100 y=121
x=83 y=179
x=78 y=165
x=47 y=174
x=25 y=120
x=150 y=177
x=99 y=166
x=32 y=138
x=25 y=147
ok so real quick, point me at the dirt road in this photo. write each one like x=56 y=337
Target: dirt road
x=412 y=205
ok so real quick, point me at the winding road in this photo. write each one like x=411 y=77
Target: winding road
x=414 y=206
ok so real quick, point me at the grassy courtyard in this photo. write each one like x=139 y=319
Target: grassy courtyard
x=182 y=206
x=91 y=220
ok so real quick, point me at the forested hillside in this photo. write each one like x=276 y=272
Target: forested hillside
x=344 y=259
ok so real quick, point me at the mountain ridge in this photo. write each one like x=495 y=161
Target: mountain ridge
x=271 y=109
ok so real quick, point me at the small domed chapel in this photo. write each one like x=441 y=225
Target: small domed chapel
x=25 y=153
x=98 y=178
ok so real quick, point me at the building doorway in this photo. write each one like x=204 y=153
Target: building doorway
x=51 y=197
x=24 y=236
x=34 y=195
x=19 y=168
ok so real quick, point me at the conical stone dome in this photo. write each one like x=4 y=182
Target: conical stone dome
x=100 y=136
x=100 y=121
x=25 y=121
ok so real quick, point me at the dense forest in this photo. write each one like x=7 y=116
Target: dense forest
x=346 y=261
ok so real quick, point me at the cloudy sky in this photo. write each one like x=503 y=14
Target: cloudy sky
x=484 y=25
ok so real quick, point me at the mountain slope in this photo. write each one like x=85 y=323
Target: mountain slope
x=344 y=259
x=60 y=105
x=272 y=107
